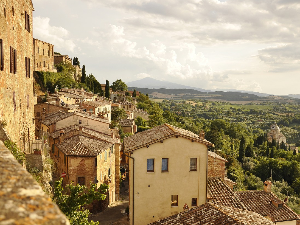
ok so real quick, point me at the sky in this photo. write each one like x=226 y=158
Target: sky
x=250 y=45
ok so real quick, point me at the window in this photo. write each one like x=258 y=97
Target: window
x=27 y=66
x=194 y=201
x=13 y=60
x=174 y=200
x=80 y=121
x=112 y=149
x=27 y=22
x=165 y=165
x=1 y=56
x=150 y=165
x=4 y=12
x=109 y=172
x=81 y=180
x=193 y=164
x=38 y=114
x=44 y=62
x=96 y=162
x=43 y=51
x=65 y=159
x=13 y=11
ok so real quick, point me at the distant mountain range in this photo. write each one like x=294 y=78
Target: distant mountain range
x=151 y=83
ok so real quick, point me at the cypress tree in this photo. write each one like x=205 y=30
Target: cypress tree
x=242 y=149
x=83 y=74
x=107 y=94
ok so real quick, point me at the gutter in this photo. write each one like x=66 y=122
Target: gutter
x=132 y=183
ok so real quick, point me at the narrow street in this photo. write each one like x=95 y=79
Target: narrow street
x=115 y=214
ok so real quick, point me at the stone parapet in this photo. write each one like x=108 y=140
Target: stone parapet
x=22 y=200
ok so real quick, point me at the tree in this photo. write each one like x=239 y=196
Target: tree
x=119 y=85
x=107 y=93
x=78 y=196
x=242 y=149
x=134 y=93
x=117 y=114
x=76 y=61
x=83 y=76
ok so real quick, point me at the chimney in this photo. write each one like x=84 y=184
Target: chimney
x=202 y=135
x=267 y=186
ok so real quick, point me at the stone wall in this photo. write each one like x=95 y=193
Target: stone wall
x=22 y=200
x=16 y=77
x=216 y=166
x=43 y=56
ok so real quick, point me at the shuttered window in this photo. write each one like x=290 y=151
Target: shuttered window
x=27 y=66
x=13 y=60
x=27 y=22
x=1 y=56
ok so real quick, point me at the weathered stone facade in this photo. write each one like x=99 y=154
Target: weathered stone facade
x=275 y=134
x=61 y=58
x=216 y=166
x=43 y=56
x=16 y=77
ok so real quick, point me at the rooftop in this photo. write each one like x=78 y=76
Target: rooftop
x=215 y=155
x=261 y=202
x=57 y=116
x=209 y=214
x=159 y=133
x=221 y=194
x=81 y=145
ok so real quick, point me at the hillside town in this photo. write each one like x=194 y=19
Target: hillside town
x=170 y=175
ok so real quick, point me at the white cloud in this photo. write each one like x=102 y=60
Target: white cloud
x=58 y=36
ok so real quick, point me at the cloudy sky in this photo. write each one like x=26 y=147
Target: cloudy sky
x=248 y=45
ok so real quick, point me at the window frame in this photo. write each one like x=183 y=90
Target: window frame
x=27 y=66
x=162 y=164
x=150 y=160
x=174 y=200
x=193 y=167
x=1 y=55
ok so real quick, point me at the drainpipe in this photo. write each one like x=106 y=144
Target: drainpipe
x=132 y=184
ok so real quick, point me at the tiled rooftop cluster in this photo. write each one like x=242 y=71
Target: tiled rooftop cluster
x=261 y=202
x=22 y=200
x=81 y=145
x=159 y=133
x=86 y=131
x=57 y=116
x=208 y=214
x=221 y=194
x=96 y=103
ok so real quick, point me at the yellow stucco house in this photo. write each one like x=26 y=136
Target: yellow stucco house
x=167 y=169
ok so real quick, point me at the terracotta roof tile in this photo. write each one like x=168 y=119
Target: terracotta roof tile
x=157 y=134
x=81 y=145
x=221 y=194
x=261 y=202
x=208 y=214
x=127 y=122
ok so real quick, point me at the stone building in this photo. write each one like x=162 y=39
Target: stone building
x=275 y=134
x=61 y=58
x=86 y=156
x=43 y=56
x=16 y=70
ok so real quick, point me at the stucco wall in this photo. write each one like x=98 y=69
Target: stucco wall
x=152 y=190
